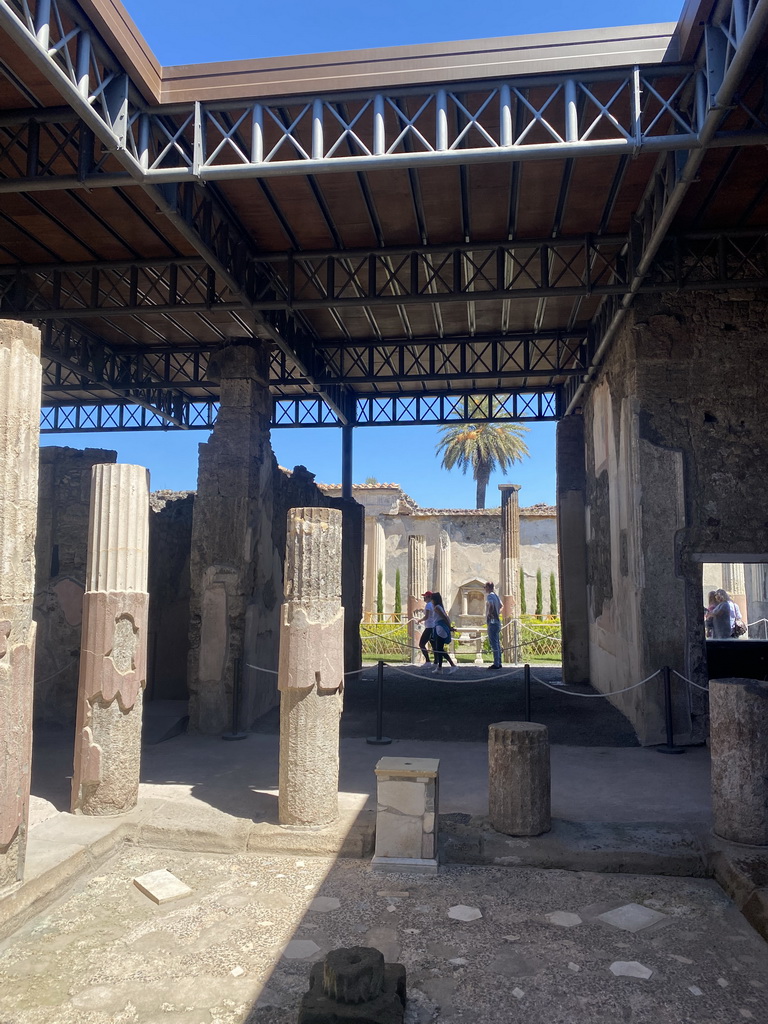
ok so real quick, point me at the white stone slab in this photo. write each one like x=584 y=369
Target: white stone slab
x=300 y=949
x=324 y=904
x=161 y=886
x=574 y=967
x=424 y=766
x=632 y=917
x=695 y=990
x=563 y=919
x=463 y=913
x=518 y=993
x=630 y=969
x=408 y=865
x=402 y=795
x=398 y=835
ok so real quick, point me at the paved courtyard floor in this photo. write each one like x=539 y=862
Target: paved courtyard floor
x=239 y=948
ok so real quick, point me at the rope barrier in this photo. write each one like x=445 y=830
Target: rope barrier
x=612 y=693
x=690 y=681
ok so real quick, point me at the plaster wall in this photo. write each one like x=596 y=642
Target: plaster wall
x=674 y=429
x=475 y=551
x=170 y=536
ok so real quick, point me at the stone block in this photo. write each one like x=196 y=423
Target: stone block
x=161 y=886
x=354 y=986
x=407 y=789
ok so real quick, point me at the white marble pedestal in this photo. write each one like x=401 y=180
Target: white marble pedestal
x=406 y=814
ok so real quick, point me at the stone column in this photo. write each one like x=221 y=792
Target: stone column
x=572 y=548
x=417 y=585
x=519 y=778
x=374 y=563
x=756 y=582
x=739 y=748
x=509 y=570
x=735 y=583
x=444 y=570
x=234 y=564
x=113 y=658
x=20 y=381
x=311 y=669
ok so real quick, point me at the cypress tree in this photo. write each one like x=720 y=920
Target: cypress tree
x=539 y=596
x=380 y=596
x=398 y=598
x=552 y=596
x=523 y=606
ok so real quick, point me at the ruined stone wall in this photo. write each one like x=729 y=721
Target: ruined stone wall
x=170 y=536
x=675 y=439
x=60 y=558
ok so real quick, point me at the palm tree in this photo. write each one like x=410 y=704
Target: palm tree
x=483 y=448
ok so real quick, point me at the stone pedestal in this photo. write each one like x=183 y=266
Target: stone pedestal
x=739 y=750
x=417 y=585
x=519 y=778
x=20 y=376
x=354 y=986
x=311 y=669
x=113 y=658
x=406 y=814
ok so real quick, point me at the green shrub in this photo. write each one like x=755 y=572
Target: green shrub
x=552 y=595
x=539 y=595
x=385 y=638
x=523 y=608
x=398 y=597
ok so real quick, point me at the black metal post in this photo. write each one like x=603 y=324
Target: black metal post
x=378 y=739
x=346 y=460
x=235 y=734
x=527 y=677
x=668 y=747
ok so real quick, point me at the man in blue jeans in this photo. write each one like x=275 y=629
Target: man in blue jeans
x=493 y=621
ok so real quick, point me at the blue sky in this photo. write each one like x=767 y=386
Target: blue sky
x=193 y=31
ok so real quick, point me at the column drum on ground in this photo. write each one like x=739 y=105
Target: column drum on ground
x=519 y=778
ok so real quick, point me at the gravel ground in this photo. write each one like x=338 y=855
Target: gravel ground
x=227 y=953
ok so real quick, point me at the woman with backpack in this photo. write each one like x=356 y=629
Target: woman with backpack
x=441 y=635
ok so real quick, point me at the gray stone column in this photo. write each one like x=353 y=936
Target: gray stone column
x=508 y=584
x=233 y=556
x=417 y=585
x=519 y=778
x=113 y=658
x=311 y=672
x=734 y=582
x=572 y=548
x=739 y=748
x=20 y=382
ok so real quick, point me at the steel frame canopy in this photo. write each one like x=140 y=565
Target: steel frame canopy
x=458 y=235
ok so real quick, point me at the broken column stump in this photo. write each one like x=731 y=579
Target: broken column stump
x=738 y=710
x=519 y=778
x=354 y=986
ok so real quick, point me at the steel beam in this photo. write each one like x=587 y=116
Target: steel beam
x=731 y=39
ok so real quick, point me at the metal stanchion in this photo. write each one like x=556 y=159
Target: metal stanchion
x=379 y=740
x=527 y=679
x=668 y=747
x=235 y=734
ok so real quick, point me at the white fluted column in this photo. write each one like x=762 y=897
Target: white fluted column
x=444 y=569
x=20 y=381
x=311 y=669
x=113 y=658
x=417 y=585
x=375 y=559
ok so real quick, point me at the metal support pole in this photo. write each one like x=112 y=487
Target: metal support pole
x=379 y=740
x=527 y=678
x=346 y=460
x=235 y=734
x=668 y=747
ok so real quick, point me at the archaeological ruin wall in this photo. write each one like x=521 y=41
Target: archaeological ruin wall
x=672 y=433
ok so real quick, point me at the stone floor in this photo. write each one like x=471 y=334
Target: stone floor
x=539 y=946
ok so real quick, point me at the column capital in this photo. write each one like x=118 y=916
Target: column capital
x=509 y=487
x=240 y=359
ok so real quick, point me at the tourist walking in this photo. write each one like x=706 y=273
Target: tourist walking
x=441 y=635
x=493 y=622
x=428 y=622
x=724 y=616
